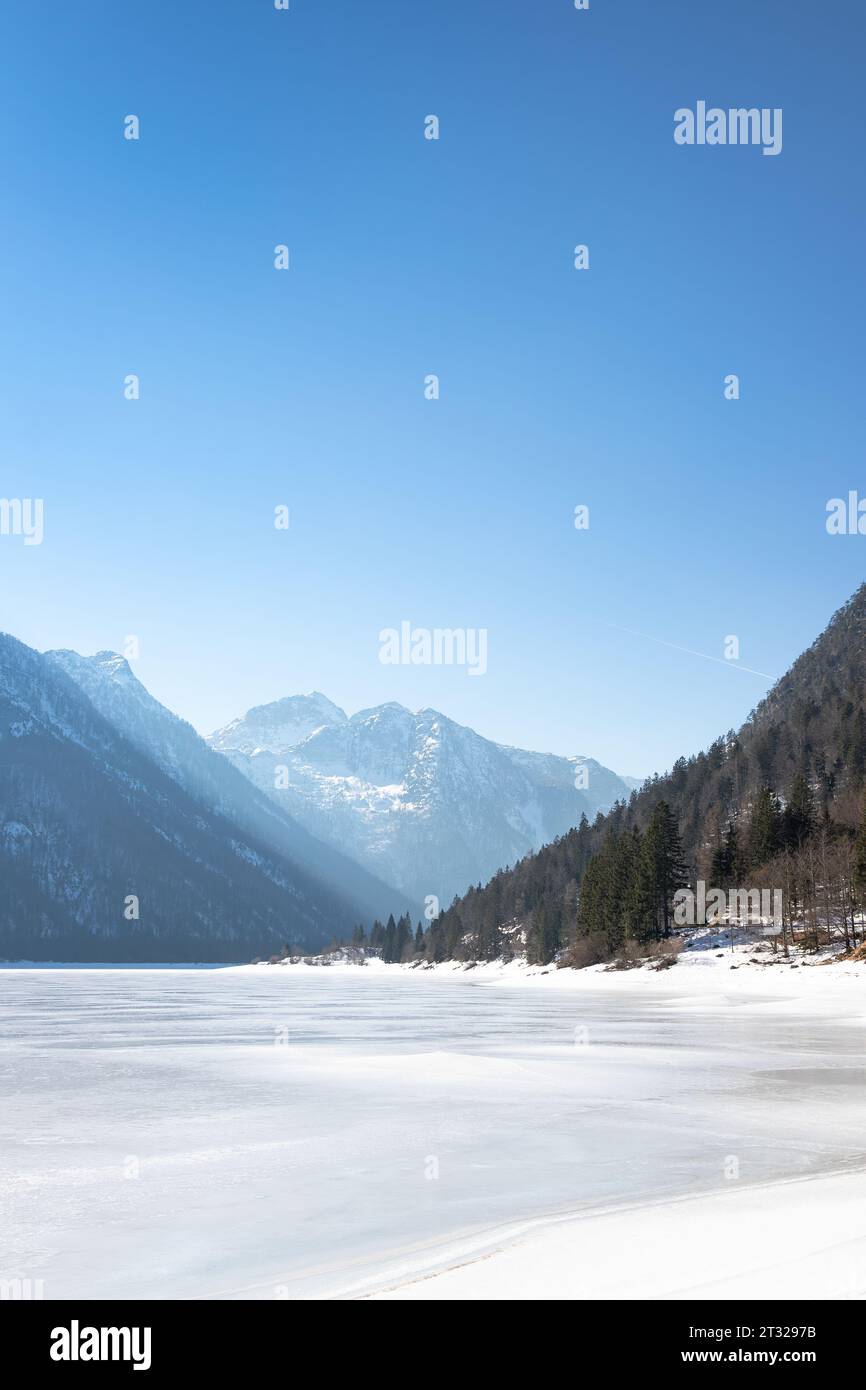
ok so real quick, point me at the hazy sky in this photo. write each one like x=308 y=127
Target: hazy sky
x=408 y=257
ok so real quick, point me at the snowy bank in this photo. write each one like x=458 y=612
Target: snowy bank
x=749 y=1237
x=708 y=966
x=780 y=1240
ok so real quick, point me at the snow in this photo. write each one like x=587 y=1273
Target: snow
x=344 y=1132
x=423 y=802
x=768 y=1242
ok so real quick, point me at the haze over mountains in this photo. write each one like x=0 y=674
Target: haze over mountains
x=268 y=832
x=124 y=837
x=424 y=803
x=108 y=681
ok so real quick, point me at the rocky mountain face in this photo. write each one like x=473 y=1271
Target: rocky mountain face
x=421 y=801
x=123 y=848
x=183 y=755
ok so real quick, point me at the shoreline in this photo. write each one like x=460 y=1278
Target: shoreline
x=767 y=1241
x=705 y=970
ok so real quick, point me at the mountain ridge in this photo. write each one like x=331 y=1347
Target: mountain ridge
x=423 y=801
x=112 y=686
x=780 y=801
x=104 y=855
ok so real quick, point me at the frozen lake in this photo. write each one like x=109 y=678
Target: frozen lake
x=293 y=1133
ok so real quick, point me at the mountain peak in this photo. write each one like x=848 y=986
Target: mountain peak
x=110 y=790
x=426 y=803
x=112 y=663
x=363 y=716
x=102 y=668
x=279 y=725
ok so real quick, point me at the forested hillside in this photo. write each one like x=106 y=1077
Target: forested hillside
x=775 y=804
x=106 y=856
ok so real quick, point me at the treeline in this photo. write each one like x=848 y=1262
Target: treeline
x=775 y=805
x=818 y=863
x=569 y=905
x=395 y=941
x=566 y=894
x=568 y=902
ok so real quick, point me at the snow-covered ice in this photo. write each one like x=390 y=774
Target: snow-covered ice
x=270 y=1132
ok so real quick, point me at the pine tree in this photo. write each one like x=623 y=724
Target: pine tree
x=631 y=905
x=616 y=869
x=725 y=864
x=860 y=860
x=389 y=945
x=589 y=907
x=663 y=869
x=733 y=856
x=403 y=936
x=544 y=936
x=798 y=818
x=764 y=829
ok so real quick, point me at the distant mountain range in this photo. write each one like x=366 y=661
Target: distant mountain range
x=422 y=802
x=295 y=822
x=124 y=837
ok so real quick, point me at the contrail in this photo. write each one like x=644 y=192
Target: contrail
x=723 y=661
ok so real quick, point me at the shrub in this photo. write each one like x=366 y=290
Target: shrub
x=587 y=950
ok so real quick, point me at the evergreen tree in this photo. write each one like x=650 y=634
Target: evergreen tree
x=403 y=936
x=764 y=828
x=615 y=871
x=589 y=907
x=389 y=944
x=798 y=818
x=544 y=935
x=725 y=867
x=860 y=860
x=663 y=869
x=632 y=913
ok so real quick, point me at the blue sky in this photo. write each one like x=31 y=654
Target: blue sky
x=454 y=257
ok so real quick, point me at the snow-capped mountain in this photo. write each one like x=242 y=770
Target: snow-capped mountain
x=110 y=852
x=109 y=683
x=424 y=803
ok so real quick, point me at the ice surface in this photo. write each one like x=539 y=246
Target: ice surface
x=277 y=1133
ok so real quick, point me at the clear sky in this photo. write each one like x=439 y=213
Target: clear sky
x=410 y=256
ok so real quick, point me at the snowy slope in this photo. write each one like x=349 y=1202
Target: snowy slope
x=109 y=683
x=107 y=853
x=423 y=802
